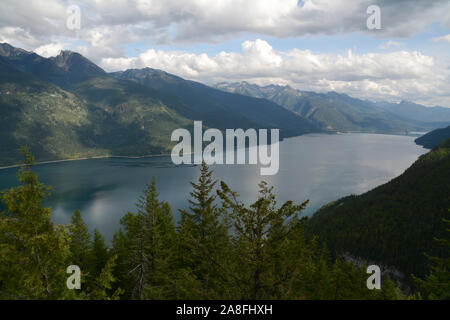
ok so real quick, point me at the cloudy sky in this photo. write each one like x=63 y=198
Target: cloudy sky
x=318 y=45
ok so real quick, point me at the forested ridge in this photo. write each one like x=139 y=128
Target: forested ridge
x=395 y=223
x=221 y=249
x=433 y=138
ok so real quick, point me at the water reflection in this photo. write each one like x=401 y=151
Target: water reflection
x=317 y=167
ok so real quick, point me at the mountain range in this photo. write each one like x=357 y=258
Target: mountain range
x=67 y=107
x=221 y=109
x=340 y=112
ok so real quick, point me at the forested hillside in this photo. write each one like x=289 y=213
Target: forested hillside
x=433 y=138
x=395 y=223
x=41 y=115
x=205 y=100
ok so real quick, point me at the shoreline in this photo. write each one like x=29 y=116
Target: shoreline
x=86 y=158
x=168 y=154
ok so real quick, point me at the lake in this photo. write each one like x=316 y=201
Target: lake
x=318 y=167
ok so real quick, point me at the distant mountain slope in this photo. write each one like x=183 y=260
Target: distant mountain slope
x=42 y=116
x=395 y=223
x=433 y=138
x=283 y=95
x=205 y=101
x=332 y=110
x=112 y=116
x=418 y=113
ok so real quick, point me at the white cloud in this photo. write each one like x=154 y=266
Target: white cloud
x=32 y=23
x=49 y=50
x=107 y=25
x=395 y=75
x=442 y=39
x=202 y=20
x=17 y=36
x=391 y=44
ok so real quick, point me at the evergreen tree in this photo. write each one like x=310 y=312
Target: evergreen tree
x=80 y=244
x=261 y=236
x=99 y=255
x=315 y=281
x=204 y=240
x=120 y=249
x=390 y=291
x=436 y=285
x=148 y=247
x=103 y=289
x=33 y=253
x=160 y=229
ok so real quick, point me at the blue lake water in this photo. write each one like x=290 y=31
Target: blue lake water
x=318 y=167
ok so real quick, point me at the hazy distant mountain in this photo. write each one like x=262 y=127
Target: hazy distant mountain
x=336 y=111
x=283 y=95
x=68 y=107
x=417 y=112
x=434 y=138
